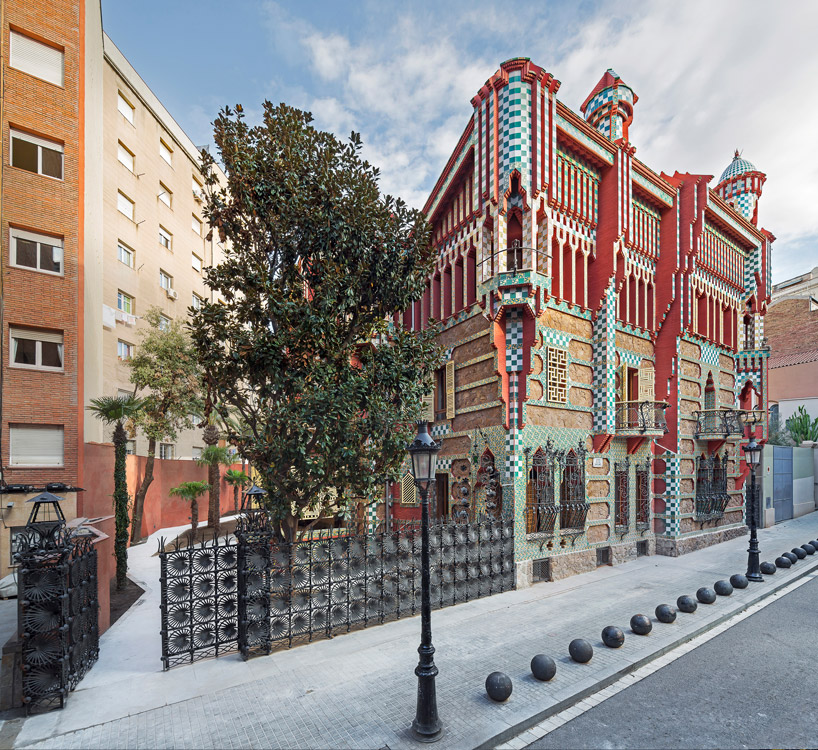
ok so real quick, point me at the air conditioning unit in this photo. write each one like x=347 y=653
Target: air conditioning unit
x=172 y=293
x=197 y=196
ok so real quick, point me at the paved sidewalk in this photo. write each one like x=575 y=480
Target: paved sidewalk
x=358 y=690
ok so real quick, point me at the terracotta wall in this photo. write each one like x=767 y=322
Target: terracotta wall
x=795 y=381
x=106 y=569
x=161 y=510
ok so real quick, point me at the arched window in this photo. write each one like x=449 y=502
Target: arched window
x=471 y=277
x=573 y=508
x=447 y=292
x=458 y=285
x=541 y=512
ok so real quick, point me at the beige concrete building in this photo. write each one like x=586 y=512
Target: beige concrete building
x=804 y=286
x=146 y=218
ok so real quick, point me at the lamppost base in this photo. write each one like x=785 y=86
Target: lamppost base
x=754 y=577
x=427 y=734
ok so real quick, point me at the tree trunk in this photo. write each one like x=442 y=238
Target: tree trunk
x=235 y=498
x=213 y=511
x=139 y=498
x=120 y=506
x=194 y=518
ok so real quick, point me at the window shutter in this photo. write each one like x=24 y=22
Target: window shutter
x=36 y=445
x=408 y=491
x=450 y=390
x=646 y=381
x=623 y=381
x=52 y=337
x=36 y=58
x=125 y=205
x=427 y=410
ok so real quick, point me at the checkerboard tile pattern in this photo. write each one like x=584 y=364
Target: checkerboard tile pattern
x=514 y=340
x=604 y=364
x=515 y=129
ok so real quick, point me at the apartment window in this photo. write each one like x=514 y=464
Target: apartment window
x=125 y=205
x=124 y=302
x=124 y=350
x=197 y=189
x=196 y=262
x=37 y=59
x=165 y=238
x=130 y=447
x=165 y=151
x=36 y=251
x=166 y=450
x=195 y=420
x=36 y=155
x=197 y=301
x=197 y=452
x=165 y=195
x=196 y=225
x=124 y=155
x=38 y=350
x=125 y=255
x=164 y=323
x=165 y=281
x=125 y=108
x=36 y=445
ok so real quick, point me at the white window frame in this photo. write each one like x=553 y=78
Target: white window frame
x=40 y=56
x=166 y=235
x=40 y=143
x=123 y=249
x=165 y=195
x=196 y=262
x=165 y=448
x=119 y=205
x=196 y=452
x=197 y=189
x=121 y=298
x=40 y=239
x=165 y=280
x=196 y=225
x=164 y=323
x=130 y=447
x=39 y=337
x=197 y=301
x=165 y=151
x=125 y=156
x=123 y=346
x=124 y=107
x=15 y=435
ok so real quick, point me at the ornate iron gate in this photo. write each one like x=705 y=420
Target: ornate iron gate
x=331 y=583
x=58 y=614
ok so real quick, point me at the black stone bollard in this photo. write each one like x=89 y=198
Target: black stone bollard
x=687 y=604
x=580 y=650
x=665 y=613
x=498 y=686
x=768 y=568
x=791 y=557
x=543 y=667
x=613 y=637
x=783 y=562
x=723 y=588
x=808 y=548
x=706 y=595
x=641 y=625
x=739 y=581
x=799 y=553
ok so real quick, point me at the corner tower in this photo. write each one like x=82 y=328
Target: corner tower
x=740 y=186
x=609 y=107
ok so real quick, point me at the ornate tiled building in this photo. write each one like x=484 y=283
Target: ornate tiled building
x=603 y=324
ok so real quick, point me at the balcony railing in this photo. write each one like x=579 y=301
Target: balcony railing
x=573 y=516
x=540 y=519
x=711 y=507
x=513 y=260
x=641 y=416
x=720 y=422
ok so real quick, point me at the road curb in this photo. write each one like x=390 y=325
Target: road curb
x=522 y=726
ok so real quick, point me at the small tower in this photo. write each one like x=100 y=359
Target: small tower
x=609 y=107
x=740 y=186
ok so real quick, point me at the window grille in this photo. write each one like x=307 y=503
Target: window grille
x=557 y=375
x=622 y=495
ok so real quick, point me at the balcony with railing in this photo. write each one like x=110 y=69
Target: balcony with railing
x=641 y=417
x=513 y=260
x=718 y=424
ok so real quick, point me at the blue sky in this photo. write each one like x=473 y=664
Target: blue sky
x=711 y=77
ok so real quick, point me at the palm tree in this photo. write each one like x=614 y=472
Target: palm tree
x=115 y=410
x=213 y=456
x=236 y=479
x=191 y=491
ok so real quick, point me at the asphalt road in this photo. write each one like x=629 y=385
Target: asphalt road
x=753 y=686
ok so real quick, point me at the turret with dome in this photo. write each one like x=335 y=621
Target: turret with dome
x=740 y=186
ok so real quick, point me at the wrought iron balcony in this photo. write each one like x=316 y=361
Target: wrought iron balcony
x=514 y=259
x=720 y=423
x=573 y=516
x=711 y=507
x=641 y=416
x=540 y=519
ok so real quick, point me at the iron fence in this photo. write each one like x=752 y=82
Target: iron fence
x=641 y=415
x=58 y=617
x=722 y=422
x=286 y=594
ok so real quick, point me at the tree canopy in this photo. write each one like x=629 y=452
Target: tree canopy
x=317 y=388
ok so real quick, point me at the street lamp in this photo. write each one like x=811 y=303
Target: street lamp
x=252 y=495
x=752 y=457
x=426 y=727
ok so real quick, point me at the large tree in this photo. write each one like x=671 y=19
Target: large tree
x=166 y=374
x=115 y=410
x=301 y=349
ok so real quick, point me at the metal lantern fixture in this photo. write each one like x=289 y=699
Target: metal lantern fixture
x=423 y=451
x=426 y=726
x=45 y=521
x=752 y=453
x=252 y=495
x=752 y=457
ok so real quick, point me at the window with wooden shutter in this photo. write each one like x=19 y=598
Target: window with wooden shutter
x=408 y=491
x=646 y=381
x=427 y=409
x=35 y=58
x=450 y=390
x=624 y=390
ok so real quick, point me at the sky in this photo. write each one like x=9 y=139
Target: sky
x=711 y=76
